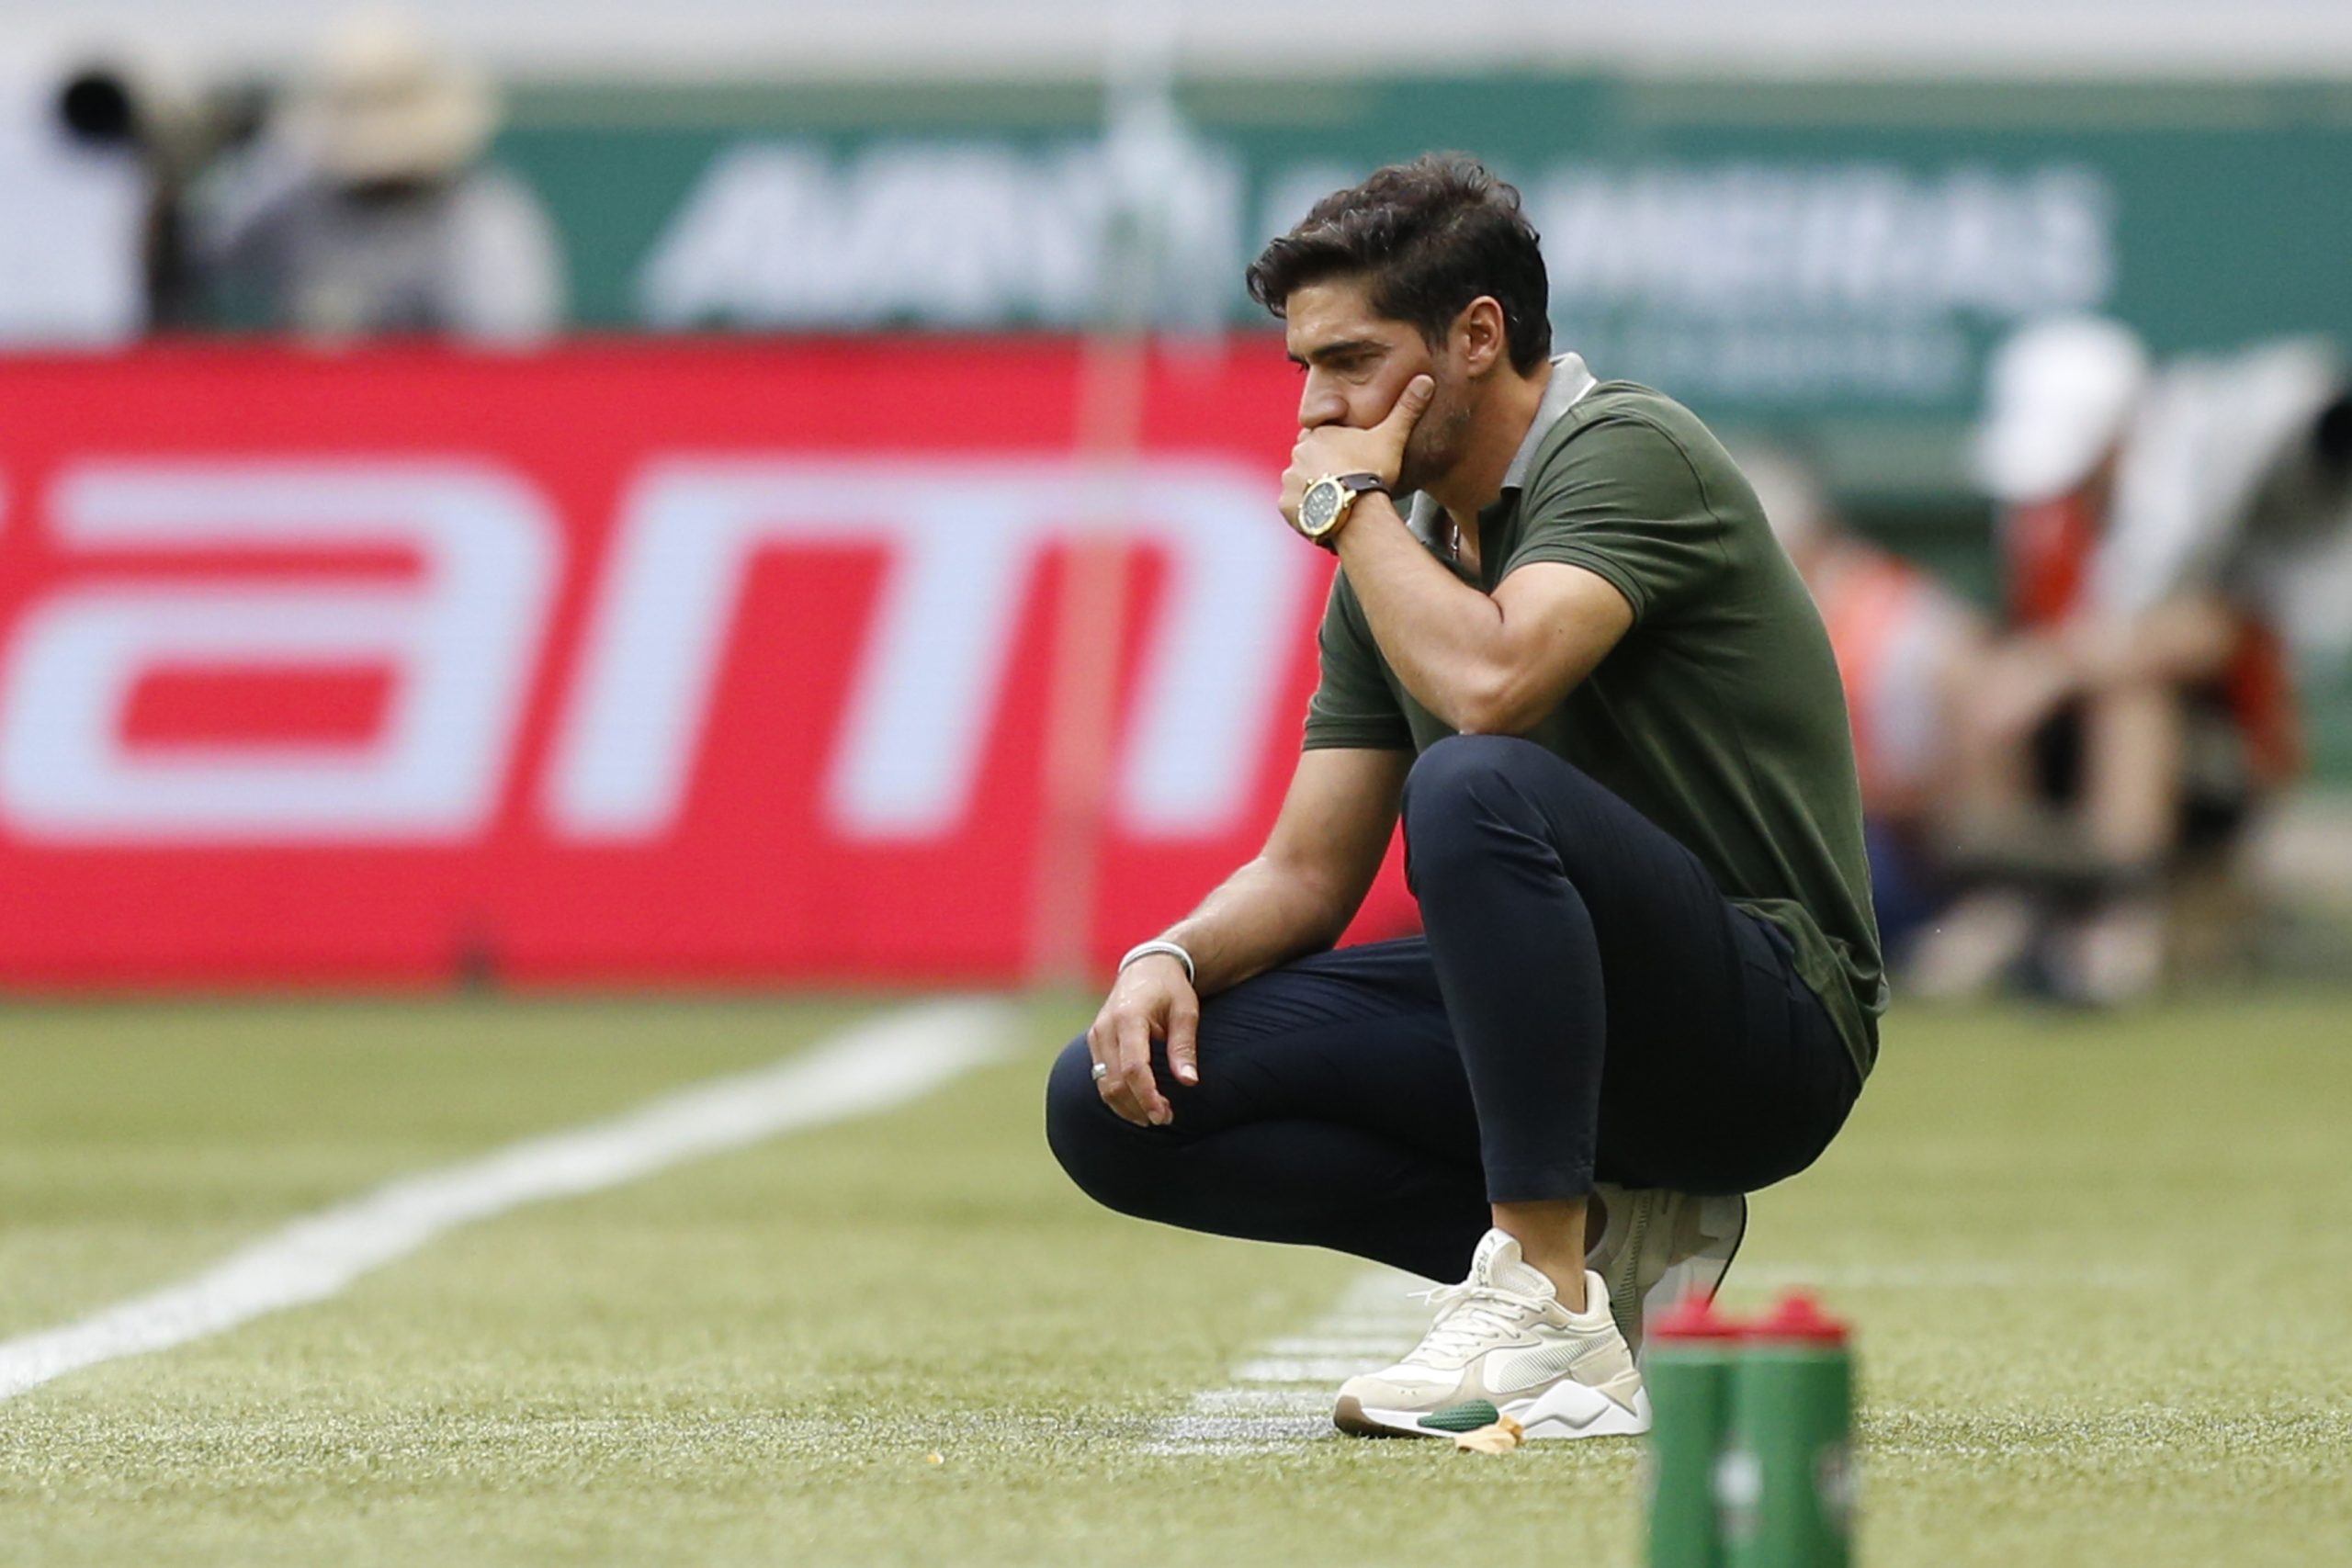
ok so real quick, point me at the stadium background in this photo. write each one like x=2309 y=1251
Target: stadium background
x=1815 y=252
x=724 y=643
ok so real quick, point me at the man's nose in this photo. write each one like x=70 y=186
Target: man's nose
x=1320 y=406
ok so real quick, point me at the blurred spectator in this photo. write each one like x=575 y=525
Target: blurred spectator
x=2140 y=710
x=1905 y=644
x=75 y=199
x=369 y=211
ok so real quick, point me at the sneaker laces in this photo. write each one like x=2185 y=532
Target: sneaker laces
x=1468 y=1315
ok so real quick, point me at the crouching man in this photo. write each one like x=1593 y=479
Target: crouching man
x=1564 y=645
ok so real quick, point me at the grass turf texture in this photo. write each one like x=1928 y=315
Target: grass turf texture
x=2099 y=1270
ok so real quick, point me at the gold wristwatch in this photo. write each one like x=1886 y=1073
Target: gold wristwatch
x=1328 y=502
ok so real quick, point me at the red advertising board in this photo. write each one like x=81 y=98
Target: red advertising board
x=617 y=663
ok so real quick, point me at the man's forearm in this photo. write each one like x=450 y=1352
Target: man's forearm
x=1261 y=915
x=1446 y=640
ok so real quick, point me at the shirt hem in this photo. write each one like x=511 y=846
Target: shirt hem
x=1355 y=740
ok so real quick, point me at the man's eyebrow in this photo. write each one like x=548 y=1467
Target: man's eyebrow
x=1339 y=350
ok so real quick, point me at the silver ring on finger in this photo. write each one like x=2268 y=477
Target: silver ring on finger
x=1101 y=1071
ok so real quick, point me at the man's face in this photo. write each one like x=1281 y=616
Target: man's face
x=1355 y=364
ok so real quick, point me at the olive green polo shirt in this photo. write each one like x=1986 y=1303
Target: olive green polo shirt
x=1719 y=716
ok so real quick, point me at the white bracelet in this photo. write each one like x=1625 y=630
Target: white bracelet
x=1173 y=950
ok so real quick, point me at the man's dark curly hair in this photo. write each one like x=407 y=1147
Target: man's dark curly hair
x=1428 y=237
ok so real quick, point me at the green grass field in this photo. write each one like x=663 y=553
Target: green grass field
x=2101 y=1271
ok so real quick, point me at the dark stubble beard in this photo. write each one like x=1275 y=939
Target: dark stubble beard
x=1435 y=446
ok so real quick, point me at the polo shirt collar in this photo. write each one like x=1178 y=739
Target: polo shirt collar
x=1570 y=381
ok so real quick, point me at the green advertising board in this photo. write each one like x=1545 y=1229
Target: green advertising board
x=1784 y=250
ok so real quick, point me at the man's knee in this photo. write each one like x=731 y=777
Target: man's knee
x=1463 y=767
x=1460 y=787
x=1104 y=1156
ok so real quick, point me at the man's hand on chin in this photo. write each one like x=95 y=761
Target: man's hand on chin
x=1343 y=450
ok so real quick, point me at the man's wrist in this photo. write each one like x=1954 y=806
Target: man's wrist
x=1374 y=501
x=1172 y=949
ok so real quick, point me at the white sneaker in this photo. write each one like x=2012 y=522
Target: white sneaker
x=1660 y=1246
x=1503 y=1345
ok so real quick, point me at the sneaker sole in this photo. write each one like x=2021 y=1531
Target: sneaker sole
x=1567 y=1409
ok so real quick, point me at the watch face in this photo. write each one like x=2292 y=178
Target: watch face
x=1318 y=507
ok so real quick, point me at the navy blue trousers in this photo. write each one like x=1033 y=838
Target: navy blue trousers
x=1584 y=1005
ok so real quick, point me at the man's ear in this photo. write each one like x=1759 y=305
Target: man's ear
x=1482 y=336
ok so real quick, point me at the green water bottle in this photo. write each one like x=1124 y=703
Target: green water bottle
x=1785 y=1484
x=1688 y=1374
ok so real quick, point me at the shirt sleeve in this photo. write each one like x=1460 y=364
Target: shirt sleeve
x=1353 y=707
x=1622 y=500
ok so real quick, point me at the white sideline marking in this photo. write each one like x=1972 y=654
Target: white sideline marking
x=1255 y=1401
x=865 y=1069
x=1357 y=1342
x=1281 y=1391
x=1296 y=1369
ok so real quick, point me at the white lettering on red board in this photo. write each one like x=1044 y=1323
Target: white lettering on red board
x=964 y=536
x=461 y=640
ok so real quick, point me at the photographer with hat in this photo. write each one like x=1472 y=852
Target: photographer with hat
x=369 y=209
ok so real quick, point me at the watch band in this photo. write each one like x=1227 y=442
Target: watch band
x=1351 y=487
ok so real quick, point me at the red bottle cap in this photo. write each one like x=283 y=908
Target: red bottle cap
x=1694 y=1318
x=1798 y=1318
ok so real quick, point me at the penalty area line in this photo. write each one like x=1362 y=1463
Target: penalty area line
x=868 y=1069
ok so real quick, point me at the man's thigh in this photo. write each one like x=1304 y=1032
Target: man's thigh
x=1721 y=1071
x=1356 y=1035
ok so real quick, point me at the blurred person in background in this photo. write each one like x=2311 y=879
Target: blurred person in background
x=369 y=209
x=2141 y=708
x=1905 y=646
